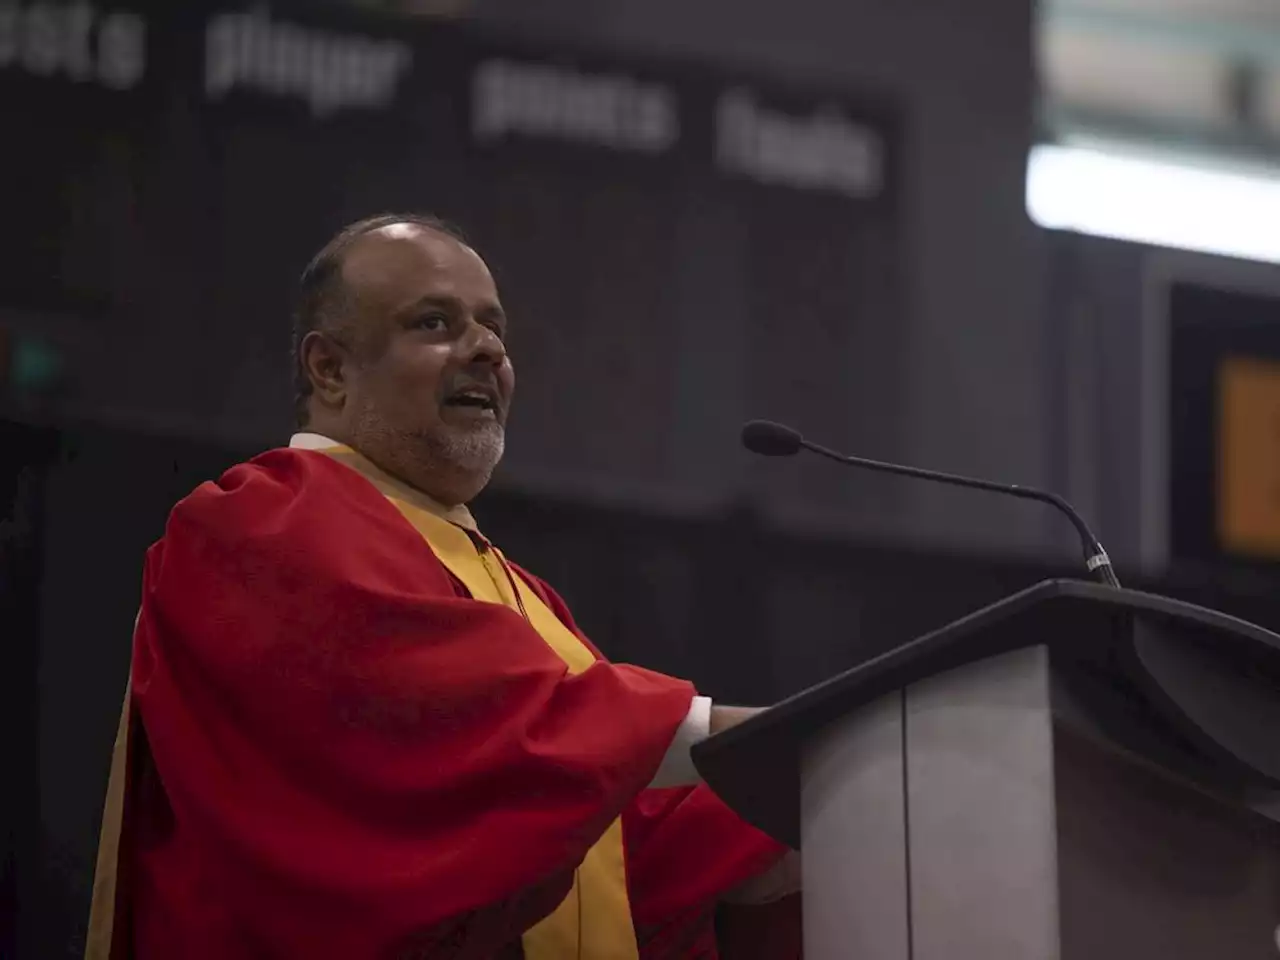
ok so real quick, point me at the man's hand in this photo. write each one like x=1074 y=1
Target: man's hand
x=722 y=718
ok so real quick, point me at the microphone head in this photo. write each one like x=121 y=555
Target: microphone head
x=771 y=439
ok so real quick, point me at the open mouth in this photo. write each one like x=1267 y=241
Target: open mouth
x=473 y=399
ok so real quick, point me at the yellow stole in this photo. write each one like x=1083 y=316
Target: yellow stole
x=594 y=921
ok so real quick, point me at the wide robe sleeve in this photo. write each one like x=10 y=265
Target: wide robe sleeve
x=685 y=850
x=354 y=760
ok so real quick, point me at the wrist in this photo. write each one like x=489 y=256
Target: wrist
x=722 y=718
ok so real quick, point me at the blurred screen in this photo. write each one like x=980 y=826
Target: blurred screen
x=1224 y=424
x=1248 y=428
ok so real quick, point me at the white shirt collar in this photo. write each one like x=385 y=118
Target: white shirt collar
x=311 y=441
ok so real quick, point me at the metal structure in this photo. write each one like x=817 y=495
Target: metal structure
x=1186 y=73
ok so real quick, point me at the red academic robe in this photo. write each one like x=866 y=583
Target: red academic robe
x=347 y=757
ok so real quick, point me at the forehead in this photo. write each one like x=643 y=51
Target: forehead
x=398 y=265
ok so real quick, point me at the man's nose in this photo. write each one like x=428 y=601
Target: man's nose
x=480 y=344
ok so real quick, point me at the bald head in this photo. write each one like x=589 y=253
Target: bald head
x=405 y=360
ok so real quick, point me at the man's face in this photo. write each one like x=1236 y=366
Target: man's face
x=429 y=382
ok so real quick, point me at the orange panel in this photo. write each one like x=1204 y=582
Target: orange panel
x=1249 y=457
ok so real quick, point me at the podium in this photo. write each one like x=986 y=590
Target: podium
x=1077 y=771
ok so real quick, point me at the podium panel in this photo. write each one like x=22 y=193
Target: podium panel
x=853 y=823
x=1150 y=867
x=966 y=817
x=980 y=810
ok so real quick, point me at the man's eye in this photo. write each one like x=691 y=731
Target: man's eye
x=432 y=321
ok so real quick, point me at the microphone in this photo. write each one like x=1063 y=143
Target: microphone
x=775 y=440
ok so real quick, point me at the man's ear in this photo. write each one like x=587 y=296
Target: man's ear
x=324 y=361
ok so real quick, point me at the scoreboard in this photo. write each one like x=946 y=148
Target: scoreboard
x=680 y=248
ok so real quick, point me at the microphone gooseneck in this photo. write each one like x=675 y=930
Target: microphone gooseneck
x=775 y=440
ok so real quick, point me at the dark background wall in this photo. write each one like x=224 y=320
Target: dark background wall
x=742 y=585
x=657 y=297
x=917 y=335
x=705 y=583
x=972 y=392
x=976 y=343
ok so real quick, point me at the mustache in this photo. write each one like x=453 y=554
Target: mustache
x=459 y=383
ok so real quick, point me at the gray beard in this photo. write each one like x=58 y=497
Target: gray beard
x=446 y=461
x=475 y=451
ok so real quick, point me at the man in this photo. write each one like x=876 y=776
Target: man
x=355 y=729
